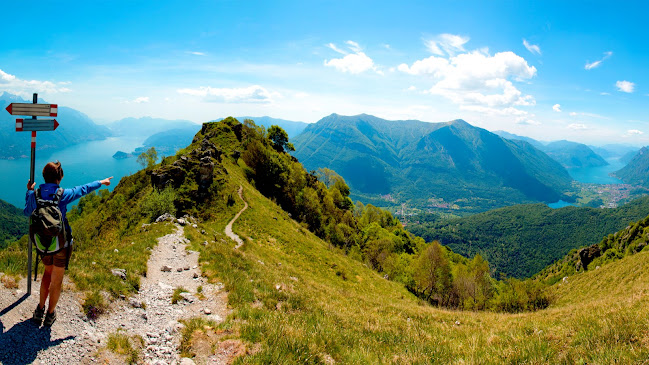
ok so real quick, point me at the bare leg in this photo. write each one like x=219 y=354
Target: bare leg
x=55 y=287
x=45 y=285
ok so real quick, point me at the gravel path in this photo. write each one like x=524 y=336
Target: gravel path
x=74 y=339
x=228 y=228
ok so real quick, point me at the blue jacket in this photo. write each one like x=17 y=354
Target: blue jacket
x=69 y=195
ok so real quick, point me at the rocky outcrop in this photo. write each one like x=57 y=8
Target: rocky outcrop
x=588 y=254
x=199 y=163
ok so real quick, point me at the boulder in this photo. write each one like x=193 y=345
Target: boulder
x=170 y=175
x=165 y=217
x=121 y=273
x=588 y=254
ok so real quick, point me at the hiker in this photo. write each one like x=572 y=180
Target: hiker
x=50 y=194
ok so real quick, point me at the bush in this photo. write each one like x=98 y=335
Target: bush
x=160 y=202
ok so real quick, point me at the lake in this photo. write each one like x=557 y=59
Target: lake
x=82 y=163
x=593 y=175
x=598 y=175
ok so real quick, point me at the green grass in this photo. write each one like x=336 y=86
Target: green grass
x=128 y=346
x=359 y=317
x=175 y=297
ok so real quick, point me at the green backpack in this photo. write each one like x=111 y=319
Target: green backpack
x=47 y=226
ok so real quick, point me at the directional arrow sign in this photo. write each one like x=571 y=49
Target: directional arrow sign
x=36 y=110
x=27 y=125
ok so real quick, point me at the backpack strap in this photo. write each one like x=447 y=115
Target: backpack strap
x=57 y=196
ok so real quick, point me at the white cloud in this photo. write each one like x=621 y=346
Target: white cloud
x=411 y=88
x=25 y=88
x=573 y=114
x=354 y=46
x=476 y=77
x=577 y=126
x=625 y=86
x=354 y=63
x=527 y=122
x=592 y=65
x=197 y=53
x=250 y=94
x=556 y=108
x=449 y=43
x=336 y=49
x=632 y=132
x=141 y=99
x=533 y=48
x=604 y=93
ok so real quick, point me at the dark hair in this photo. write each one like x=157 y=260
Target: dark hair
x=53 y=172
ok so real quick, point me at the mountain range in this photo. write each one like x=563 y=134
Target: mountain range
x=74 y=127
x=431 y=164
x=292 y=128
x=568 y=154
x=636 y=172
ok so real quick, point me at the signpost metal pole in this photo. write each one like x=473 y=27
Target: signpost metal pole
x=31 y=181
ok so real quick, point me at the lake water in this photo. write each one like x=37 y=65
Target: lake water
x=82 y=163
x=598 y=175
x=593 y=175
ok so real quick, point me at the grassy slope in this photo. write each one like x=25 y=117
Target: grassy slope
x=340 y=309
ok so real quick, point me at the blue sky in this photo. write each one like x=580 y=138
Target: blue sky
x=549 y=70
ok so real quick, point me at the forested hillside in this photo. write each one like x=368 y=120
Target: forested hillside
x=434 y=165
x=13 y=224
x=637 y=170
x=521 y=240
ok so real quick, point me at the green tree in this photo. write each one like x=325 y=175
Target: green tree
x=148 y=159
x=279 y=137
x=433 y=274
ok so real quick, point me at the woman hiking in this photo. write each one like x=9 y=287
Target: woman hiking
x=55 y=264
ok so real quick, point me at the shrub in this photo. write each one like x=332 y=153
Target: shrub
x=160 y=202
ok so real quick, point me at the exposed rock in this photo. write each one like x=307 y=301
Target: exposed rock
x=186 y=361
x=166 y=268
x=194 y=226
x=182 y=222
x=169 y=175
x=134 y=303
x=165 y=217
x=588 y=254
x=188 y=297
x=565 y=279
x=207 y=311
x=121 y=273
x=179 y=269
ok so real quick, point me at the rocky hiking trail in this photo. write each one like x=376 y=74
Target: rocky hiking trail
x=74 y=339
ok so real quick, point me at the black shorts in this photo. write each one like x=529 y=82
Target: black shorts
x=58 y=259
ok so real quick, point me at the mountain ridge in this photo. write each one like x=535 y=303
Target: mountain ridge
x=411 y=159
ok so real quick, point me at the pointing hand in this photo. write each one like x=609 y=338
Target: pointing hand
x=106 y=181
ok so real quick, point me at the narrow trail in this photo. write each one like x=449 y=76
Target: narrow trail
x=228 y=228
x=150 y=314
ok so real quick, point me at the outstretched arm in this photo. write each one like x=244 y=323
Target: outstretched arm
x=70 y=195
x=106 y=181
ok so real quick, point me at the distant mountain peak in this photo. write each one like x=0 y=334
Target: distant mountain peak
x=12 y=98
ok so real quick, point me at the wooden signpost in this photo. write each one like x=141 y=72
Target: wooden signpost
x=33 y=125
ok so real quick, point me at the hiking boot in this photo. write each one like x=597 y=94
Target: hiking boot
x=49 y=319
x=37 y=318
